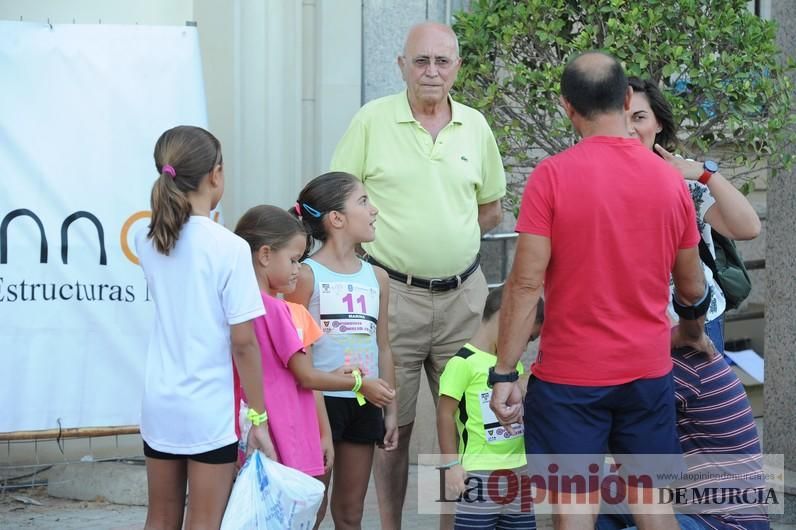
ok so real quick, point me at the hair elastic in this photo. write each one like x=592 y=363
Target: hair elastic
x=312 y=211
x=170 y=170
x=297 y=207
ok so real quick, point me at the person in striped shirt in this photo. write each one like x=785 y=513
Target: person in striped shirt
x=714 y=424
x=714 y=420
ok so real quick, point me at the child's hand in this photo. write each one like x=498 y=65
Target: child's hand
x=454 y=480
x=327 y=447
x=391 y=432
x=346 y=369
x=377 y=391
x=259 y=438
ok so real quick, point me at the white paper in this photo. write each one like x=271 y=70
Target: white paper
x=750 y=362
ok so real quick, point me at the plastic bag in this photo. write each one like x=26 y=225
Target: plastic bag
x=270 y=496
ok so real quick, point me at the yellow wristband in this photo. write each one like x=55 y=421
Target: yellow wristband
x=256 y=418
x=357 y=380
x=357 y=385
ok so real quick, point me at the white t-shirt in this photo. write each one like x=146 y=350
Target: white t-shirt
x=205 y=285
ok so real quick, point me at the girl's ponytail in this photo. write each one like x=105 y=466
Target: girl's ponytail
x=297 y=211
x=321 y=195
x=170 y=210
x=184 y=156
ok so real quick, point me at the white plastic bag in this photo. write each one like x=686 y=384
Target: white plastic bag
x=270 y=496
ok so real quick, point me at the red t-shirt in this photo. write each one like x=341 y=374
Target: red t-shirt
x=616 y=214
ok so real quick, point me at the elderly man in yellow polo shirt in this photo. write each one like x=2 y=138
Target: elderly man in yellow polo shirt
x=432 y=168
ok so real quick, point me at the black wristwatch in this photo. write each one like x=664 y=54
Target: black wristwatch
x=501 y=378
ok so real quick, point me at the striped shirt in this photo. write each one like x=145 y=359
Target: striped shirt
x=714 y=419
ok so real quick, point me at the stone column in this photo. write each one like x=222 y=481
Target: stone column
x=780 y=347
x=384 y=27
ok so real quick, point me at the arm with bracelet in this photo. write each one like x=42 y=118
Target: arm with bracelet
x=732 y=214
x=691 y=301
x=375 y=390
x=447 y=409
x=246 y=355
x=446 y=433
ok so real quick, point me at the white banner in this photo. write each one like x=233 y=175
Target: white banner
x=81 y=107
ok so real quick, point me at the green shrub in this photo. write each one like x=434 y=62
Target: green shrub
x=718 y=65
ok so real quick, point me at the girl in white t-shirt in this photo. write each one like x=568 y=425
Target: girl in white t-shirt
x=349 y=298
x=201 y=279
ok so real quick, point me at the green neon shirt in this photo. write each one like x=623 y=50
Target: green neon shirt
x=484 y=444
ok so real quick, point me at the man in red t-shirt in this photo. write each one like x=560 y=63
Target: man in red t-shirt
x=603 y=225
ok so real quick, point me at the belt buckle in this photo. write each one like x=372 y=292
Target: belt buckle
x=431 y=283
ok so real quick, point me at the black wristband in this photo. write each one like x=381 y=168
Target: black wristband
x=693 y=312
x=493 y=378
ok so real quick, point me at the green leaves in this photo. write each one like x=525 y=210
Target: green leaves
x=716 y=62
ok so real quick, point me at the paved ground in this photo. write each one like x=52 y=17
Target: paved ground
x=20 y=509
x=16 y=513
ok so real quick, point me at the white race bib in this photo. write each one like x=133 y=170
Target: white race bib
x=347 y=307
x=493 y=430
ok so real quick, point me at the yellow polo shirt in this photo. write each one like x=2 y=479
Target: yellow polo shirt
x=427 y=192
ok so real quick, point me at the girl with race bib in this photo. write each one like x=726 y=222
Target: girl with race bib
x=297 y=417
x=348 y=297
x=201 y=279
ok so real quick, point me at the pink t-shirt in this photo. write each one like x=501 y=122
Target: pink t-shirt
x=616 y=214
x=292 y=413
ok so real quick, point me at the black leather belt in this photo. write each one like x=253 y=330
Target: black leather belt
x=432 y=284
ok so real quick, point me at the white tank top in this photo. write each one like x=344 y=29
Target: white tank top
x=346 y=307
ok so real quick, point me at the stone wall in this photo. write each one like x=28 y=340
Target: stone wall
x=780 y=392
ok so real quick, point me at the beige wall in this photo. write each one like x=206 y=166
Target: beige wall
x=282 y=79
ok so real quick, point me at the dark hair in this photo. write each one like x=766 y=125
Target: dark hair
x=268 y=225
x=596 y=87
x=667 y=138
x=495 y=299
x=321 y=195
x=189 y=154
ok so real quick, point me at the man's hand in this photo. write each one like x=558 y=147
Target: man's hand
x=703 y=343
x=259 y=438
x=506 y=403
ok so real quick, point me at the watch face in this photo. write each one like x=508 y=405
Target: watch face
x=711 y=166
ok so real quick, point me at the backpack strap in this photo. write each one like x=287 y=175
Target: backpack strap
x=707 y=257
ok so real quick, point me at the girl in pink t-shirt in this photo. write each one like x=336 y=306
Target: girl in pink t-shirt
x=297 y=417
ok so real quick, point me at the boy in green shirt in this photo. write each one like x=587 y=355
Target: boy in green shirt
x=484 y=445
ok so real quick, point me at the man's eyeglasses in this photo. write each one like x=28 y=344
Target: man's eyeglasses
x=441 y=63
